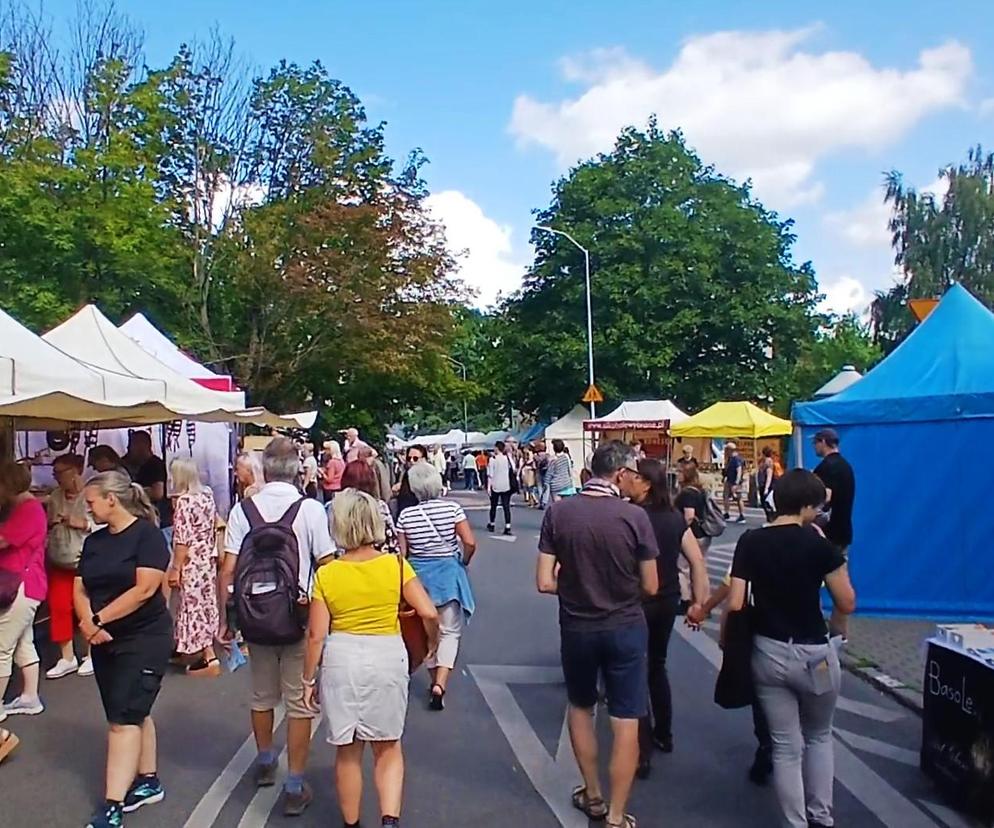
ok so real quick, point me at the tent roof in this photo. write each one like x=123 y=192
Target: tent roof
x=152 y=340
x=839 y=383
x=569 y=426
x=93 y=339
x=41 y=386
x=733 y=419
x=942 y=371
x=633 y=412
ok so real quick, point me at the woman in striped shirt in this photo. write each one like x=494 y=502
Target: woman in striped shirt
x=431 y=534
x=559 y=477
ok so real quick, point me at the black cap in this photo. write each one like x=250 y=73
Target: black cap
x=829 y=436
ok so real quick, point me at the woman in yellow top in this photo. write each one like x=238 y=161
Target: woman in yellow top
x=364 y=667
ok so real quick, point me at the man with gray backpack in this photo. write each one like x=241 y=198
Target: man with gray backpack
x=273 y=545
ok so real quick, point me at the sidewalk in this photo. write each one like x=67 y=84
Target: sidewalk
x=887 y=652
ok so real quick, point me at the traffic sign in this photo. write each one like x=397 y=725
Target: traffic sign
x=593 y=395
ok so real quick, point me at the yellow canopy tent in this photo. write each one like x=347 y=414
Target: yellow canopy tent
x=732 y=419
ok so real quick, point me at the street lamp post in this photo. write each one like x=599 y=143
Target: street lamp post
x=590 y=318
x=465 y=407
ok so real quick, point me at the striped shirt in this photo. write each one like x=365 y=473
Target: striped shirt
x=430 y=528
x=560 y=474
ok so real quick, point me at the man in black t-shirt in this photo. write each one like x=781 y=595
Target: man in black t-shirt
x=149 y=471
x=840 y=493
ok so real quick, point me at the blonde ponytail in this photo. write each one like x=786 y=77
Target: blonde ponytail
x=132 y=496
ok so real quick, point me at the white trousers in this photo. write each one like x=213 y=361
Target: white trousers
x=450 y=624
x=17 y=634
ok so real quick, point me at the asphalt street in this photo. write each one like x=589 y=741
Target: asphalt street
x=496 y=757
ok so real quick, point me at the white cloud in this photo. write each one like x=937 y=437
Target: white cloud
x=986 y=106
x=757 y=104
x=844 y=294
x=865 y=225
x=483 y=247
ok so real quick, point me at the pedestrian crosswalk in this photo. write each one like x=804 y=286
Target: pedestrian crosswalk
x=719 y=560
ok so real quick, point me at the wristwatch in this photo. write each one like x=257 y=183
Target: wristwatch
x=95 y=620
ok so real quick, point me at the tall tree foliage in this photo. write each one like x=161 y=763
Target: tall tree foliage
x=258 y=219
x=695 y=293
x=938 y=241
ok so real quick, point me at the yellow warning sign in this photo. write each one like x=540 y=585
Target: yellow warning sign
x=921 y=308
x=593 y=395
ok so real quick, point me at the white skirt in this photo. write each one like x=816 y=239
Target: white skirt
x=364 y=682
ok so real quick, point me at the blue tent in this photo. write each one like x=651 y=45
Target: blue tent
x=916 y=430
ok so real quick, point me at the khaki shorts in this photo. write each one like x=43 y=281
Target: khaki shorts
x=17 y=634
x=278 y=675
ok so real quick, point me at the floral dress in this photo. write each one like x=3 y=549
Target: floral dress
x=197 y=619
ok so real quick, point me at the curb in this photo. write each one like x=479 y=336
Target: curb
x=905 y=696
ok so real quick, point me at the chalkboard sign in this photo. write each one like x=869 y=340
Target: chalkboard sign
x=958 y=729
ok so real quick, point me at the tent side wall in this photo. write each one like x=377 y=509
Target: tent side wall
x=932 y=561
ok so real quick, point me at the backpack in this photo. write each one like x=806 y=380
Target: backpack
x=267 y=580
x=712 y=522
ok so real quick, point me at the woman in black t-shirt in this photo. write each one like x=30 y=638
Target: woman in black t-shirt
x=118 y=597
x=794 y=665
x=650 y=489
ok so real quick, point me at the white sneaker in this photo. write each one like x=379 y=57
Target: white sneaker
x=24 y=707
x=86 y=668
x=63 y=668
x=3 y=714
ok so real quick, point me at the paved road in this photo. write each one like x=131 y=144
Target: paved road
x=496 y=757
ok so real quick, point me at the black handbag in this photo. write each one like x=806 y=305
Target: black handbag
x=734 y=687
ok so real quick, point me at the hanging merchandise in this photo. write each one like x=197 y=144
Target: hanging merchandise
x=191 y=434
x=57 y=441
x=173 y=430
x=90 y=437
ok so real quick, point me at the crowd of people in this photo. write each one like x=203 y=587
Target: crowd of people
x=323 y=556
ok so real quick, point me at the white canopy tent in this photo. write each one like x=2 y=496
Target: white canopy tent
x=91 y=338
x=641 y=411
x=153 y=341
x=840 y=382
x=42 y=386
x=569 y=429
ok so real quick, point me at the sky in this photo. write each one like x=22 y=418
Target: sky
x=813 y=102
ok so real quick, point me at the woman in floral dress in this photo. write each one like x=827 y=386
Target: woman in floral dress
x=194 y=569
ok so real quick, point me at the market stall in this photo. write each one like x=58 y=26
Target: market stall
x=751 y=427
x=648 y=422
x=914 y=430
x=569 y=429
x=958 y=717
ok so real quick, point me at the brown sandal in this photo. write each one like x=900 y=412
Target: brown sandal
x=8 y=743
x=627 y=821
x=594 y=808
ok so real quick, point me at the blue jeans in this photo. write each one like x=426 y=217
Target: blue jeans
x=621 y=656
x=469 y=476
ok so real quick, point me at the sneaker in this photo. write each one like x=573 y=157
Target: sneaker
x=644 y=769
x=264 y=775
x=24 y=707
x=741 y=519
x=63 y=667
x=295 y=804
x=86 y=667
x=490 y=528
x=663 y=743
x=508 y=532
x=110 y=815
x=726 y=516
x=145 y=791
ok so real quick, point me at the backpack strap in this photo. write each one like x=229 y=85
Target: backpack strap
x=290 y=515
x=252 y=513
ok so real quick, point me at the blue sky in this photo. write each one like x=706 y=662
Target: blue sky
x=813 y=101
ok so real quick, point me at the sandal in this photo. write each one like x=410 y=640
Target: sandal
x=8 y=743
x=627 y=821
x=205 y=668
x=436 y=701
x=595 y=809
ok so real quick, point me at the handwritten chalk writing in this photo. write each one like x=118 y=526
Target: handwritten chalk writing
x=956 y=694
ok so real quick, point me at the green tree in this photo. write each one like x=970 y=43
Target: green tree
x=695 y=293
x=938 y=241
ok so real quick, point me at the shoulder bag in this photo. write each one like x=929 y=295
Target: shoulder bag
x=734 y=687
x=412 y=628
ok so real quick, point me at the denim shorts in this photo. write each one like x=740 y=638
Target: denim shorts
x=620 y=656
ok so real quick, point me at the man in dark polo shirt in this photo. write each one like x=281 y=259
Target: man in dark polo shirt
x=598 y=553
x=840 y=493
